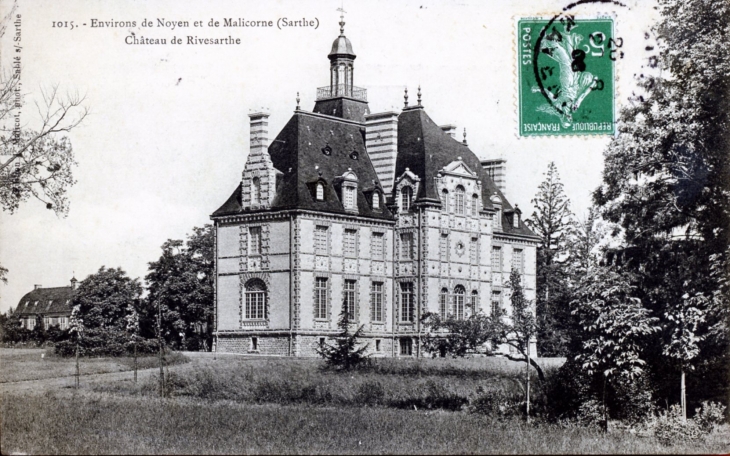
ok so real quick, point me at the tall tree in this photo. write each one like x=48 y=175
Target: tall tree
x=553 y=221
x=103 y=298
x=666 y=183
x=614 y=327
x=35 y=161
x=181 y=282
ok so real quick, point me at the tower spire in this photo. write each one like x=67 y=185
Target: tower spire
x=342 y=19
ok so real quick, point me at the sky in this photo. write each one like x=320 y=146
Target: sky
x=167 y=135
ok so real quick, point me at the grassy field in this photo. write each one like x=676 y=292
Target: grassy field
x=264 y=405
x=22 y=364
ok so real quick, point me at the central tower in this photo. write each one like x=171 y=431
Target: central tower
x=341 y=98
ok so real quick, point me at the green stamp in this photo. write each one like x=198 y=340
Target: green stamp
x=566 y=76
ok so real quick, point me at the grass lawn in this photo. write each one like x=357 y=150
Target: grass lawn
x=19 y=364
x=238 y=404
x=92 y=423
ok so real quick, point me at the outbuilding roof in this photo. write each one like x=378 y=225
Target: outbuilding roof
x=46 y=301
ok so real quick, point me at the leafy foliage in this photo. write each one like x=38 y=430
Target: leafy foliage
x=345 y=354
x=103 y=298
x=613 y=322
x=666 y=184
x=181 y=281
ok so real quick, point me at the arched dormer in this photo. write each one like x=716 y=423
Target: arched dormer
x=405 y=190
x=348 y=191
x=497 y=203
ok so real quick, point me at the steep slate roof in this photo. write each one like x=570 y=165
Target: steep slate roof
x=297 y=150
x=59 y=296
x=424 y=148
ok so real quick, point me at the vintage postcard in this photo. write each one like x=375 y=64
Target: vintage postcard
x=445 y=226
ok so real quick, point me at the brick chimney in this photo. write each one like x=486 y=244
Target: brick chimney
x=37 y=286
x=449 y=130
x=74 y=283
x=259 y=135
x=381 y=141
x=497 y=170
x=258 y=180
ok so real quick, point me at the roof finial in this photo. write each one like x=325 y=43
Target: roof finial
x=464 y=142
x=419 y=94
x=297 y=101
x=405 y=97
x=342 y=18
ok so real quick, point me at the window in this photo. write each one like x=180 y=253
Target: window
x=444 y=303
x=377 y=345
x=377 y=246
x=376 y=200
x=255 y=300
x=445 y=200
x=473 y=250
x=475 y=205
x=321 y=341
x=406 y=196
x=320 y=191
x=255 y=190
x=516 y=219
x=496 y=259
x=474 y=302
x=350 y=243
x=459 y=202
x=376 y=301
x=406 y=244
x=459 y=296
x=496 y=302
x=254 y=344
x=350 y=288
x=407 y=302
x=320 y=298
x=444 y=246
x=349 y=197
x=49 y=304
x=320 y=240
x=406 y=346
x=518 y=262
x=254 y=234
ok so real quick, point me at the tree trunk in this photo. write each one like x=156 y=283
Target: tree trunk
x=135 y=358
x=684 y=398
x=605 y=412
x=159 y=343
x=78 y=372
x=527 y=382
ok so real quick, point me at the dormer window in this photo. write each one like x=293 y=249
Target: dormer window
x=255 y=190
x=445 y=200
x=349 y=197
x=406 y=195
x=354 y=155
x=349 y=191
x=327 y=150
x=376 y=200
x=320 y=191
x=459 y=200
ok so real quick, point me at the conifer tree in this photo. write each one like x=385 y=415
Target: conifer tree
x=553 y=221
x=344 y=354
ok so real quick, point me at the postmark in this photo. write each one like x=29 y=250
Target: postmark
x=566 y=75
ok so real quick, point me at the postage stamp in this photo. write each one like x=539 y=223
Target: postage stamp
x=566 y=76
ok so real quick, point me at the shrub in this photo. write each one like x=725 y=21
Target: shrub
x=370 y=392
x=709 y=415
x=105 y=342
x=435 y=396
x=671 y=429
x=496 y=403
x=590 y=413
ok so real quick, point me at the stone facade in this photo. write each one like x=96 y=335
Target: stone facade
x=387 y=214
